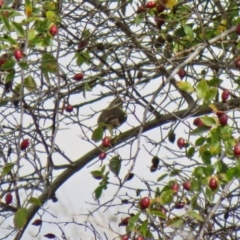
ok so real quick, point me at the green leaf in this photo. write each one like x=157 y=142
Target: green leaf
x=167 y=197
x=103 y=169
x=97 y=174
x=198 y=172
x=209 y=194
x=29 y=83
x=115 y=165
x=162 y=177
x=35 y=201
x=215 y=148
x=51 y=16
x=231 y=173
x=9 y=39
x=158 y=214
x=157 y=192
x=200 y=141
x=6 y=23
x=143 y=228
x=49 y=6
x=195 y=215
x=31 y=34
x=215 y=82
x=210 y=95
x=8 y=65
x=175 y=222
x=226 y=133
x=190 y=152
x=7 y=169
x=201 y=89
x=208 y=170
x=24 y=65
x=97 y=134
x=208 y=121
x=199 y=130
x=20 y=218
x=98 y=192
x=139 y=18
x=132 y=221
x=194 y=200
x=49 y=63
x=195 y=185
x=206 y=157
x=19 y=29
x=185 y=86
x=17 y=89
x=189 y=32
x=10 y=76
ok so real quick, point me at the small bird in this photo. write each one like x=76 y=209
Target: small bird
x=113 y=115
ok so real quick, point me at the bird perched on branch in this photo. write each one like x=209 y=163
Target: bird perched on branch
x=113 y=115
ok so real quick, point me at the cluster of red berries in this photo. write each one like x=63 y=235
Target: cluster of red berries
x=159 y=7
x=106 y=142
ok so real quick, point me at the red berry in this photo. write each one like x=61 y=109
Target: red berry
x=145 y=202
x=3 y=59
x=179 y=205
x=78 y=76
x=82 y=45
x=18 y=54
x=69 y=108
x=181 y=143
x=24 y=144
x=219 y=114
x=237 y=150
x=159 y=21
x=150 y=4
x=160 y=7
x=187 y=186
x=139 y=238
x=37 y=222
x=223 y=119
x=198 y=122
x=238 y=29
x=124 y=237
x=106 y=142
x=225 y=95
x=8 y=198
x=237 y=62
x=213 y=184
x=175 y=187
x=102 y=155
x=53 y=30
x=181 y=73
x=124 y=222
x=141 y=9
x=1 y=3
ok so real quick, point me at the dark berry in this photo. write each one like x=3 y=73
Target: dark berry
x=181 y=73
x=213 y=184
x=225 y=95
x=223 y=119
x=78 y=76
x=187 y=186
x=145 y=202
x=150 y=4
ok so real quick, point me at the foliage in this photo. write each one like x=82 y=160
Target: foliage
x=102 y=50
